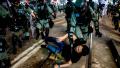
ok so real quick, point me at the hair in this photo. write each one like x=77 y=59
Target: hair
x=85 y=50
x=79 y=42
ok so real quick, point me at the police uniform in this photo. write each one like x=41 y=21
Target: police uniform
x=17 y=28
x=95 y=16
x=83 y=20
x=72 y=26
x=4 y=58
x=115 y=17
x=84 y=15
x=44 y=13
x=69 y=8
x=21 y=23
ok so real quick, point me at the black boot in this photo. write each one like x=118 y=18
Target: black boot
x=37 y=34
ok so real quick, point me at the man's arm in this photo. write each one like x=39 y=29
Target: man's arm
x=62 y=38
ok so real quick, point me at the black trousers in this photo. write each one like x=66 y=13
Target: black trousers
x=16 y=41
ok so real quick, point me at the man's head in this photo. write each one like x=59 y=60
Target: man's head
x=80 y=47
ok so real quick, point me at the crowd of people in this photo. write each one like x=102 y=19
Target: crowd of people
x=27 y=19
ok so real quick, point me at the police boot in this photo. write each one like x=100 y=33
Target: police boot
x=20 y=43
x=42 y=35
x=14 y=51
x=46 y=32
x=90 y=29
x=14 y=43
x=98 y=34
x=37 y=34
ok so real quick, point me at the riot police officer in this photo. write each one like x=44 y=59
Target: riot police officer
x=4 y=21
x=69 y=8
x=94 y=8
x=44 y=13
x=84 y=15
x=115 y=17
x=17 y=26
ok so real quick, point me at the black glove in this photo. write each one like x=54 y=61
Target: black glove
x=98 y=34
x=90 y=29
x=51 y=23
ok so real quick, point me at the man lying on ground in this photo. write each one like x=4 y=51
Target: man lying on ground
x=70 y=55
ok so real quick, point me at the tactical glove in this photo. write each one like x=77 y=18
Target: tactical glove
x=98 y=34
x=90 y=29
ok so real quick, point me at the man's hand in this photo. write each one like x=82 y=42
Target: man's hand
x=54 y=15
x=33 y=15
x=60 y=39
x=98 y=34
x=56 y=66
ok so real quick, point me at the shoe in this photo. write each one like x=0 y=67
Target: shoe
x=43 y=46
